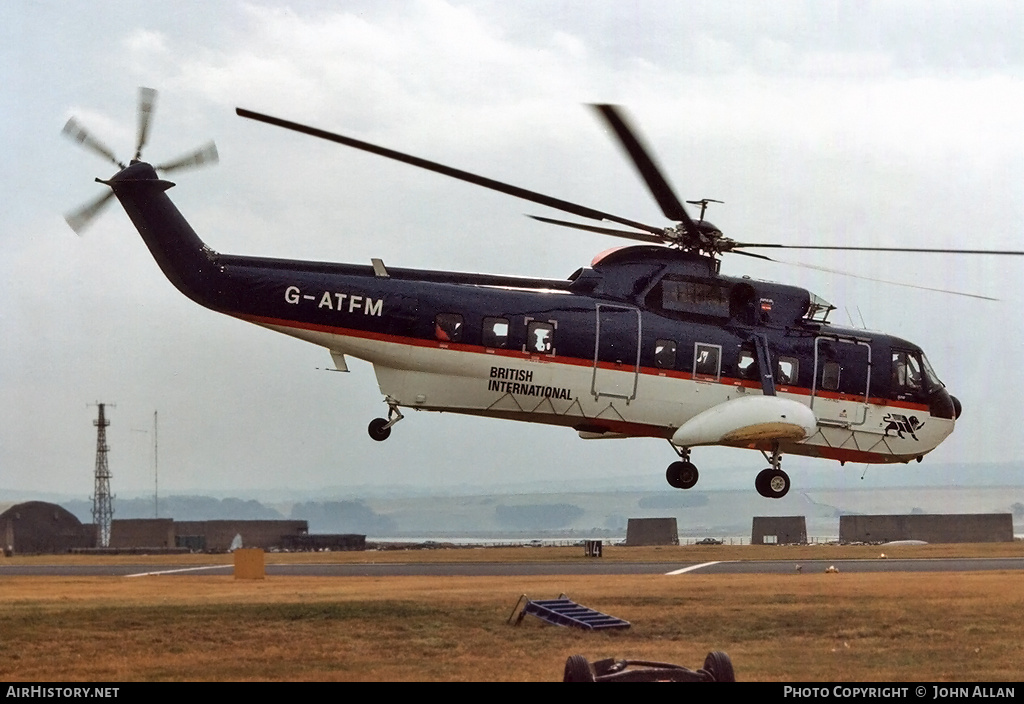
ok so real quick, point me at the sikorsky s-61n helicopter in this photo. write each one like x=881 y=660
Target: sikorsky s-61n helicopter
x=651 y=340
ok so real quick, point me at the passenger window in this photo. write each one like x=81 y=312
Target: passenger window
x=830 y=376
x=540 y=338
x=787 y=371
x=448 y=327
x=665 y=354
x=495 y=332
x=707 y=361
x=747 y=366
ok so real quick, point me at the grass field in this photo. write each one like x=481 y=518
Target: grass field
x=794 y=627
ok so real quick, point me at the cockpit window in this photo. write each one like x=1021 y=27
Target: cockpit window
x=929 y=374
x=907 y=375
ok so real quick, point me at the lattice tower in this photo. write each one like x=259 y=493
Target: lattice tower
x=102 y=499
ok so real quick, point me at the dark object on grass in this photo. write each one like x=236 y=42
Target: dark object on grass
x=717 y=668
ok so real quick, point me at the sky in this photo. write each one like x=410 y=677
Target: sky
x=855 y=123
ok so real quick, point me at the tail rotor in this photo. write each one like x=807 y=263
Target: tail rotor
x=80 y=218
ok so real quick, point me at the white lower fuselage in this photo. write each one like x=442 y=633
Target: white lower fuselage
x=511 y=384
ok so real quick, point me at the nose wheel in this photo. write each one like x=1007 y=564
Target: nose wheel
x=773 y=483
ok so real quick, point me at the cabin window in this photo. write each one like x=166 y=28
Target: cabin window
x=665 y=354
x=707 y=361
x=787 y=371
x=495 y=332
x=448 y=327
x=747 y=365
x=540 y=338
x=830 y=376
x=689 y=296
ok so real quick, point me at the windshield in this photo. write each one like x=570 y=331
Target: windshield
x=929 y=373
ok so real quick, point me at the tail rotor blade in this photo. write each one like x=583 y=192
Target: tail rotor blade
x=206 y=154
x=147 y=101
x=75 y=132
x=80 y=219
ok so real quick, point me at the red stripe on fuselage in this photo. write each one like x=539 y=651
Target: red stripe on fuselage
x=575 y=361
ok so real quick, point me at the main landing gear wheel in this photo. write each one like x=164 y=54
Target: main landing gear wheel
x=379 y=429
x=682 y=475
x=772 y=483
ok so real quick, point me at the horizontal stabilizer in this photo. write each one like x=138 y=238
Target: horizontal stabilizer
x=748 y=419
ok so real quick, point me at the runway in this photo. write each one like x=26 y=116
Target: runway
x=513 y=569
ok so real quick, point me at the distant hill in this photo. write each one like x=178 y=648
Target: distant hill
x=580 y=514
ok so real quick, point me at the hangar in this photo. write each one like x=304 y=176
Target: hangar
x=41 y=527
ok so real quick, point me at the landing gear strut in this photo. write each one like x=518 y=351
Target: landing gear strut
x=379 y=428
x=772 y=483
x=683 y=474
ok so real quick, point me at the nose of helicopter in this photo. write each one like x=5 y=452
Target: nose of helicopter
x=942 y=404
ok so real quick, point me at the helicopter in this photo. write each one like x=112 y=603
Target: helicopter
x=650 y=340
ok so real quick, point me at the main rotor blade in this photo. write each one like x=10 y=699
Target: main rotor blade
x=645 y=164
x=74 y=131
x=608 y=231
x=206 y=154
x=922 y=250
x=803 y=265
x=508 y=189
x=147 y=99
x=80 y=219
x=886 y=281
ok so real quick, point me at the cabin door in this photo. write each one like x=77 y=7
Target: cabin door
x=842 y=380
x=616 y=352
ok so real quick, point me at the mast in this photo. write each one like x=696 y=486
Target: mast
x=102 y=499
